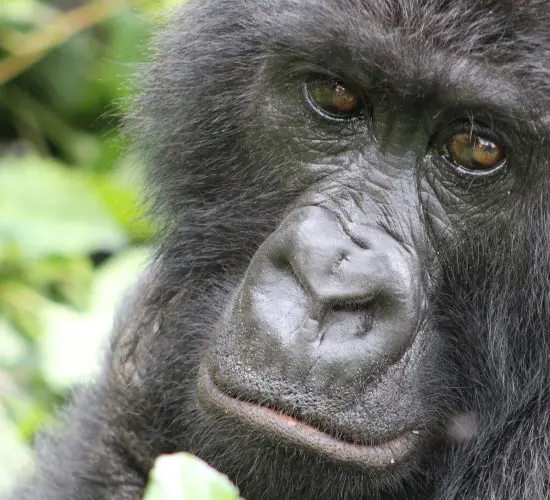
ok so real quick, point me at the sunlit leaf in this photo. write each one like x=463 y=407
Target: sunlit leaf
x=71 y=348
x=46 y=209
x=184 y=477
x=15 y=456
x=13 y=348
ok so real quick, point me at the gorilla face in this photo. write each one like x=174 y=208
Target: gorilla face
x=402 y=149
x=350 y=297
x=321 y=341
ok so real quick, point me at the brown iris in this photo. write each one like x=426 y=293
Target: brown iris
x=333 y=99
x=474 y=152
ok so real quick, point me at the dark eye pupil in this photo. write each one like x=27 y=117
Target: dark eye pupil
x=474 y=152
x=333 y=99
x=344 y=99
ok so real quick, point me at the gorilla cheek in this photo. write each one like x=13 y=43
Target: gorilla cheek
x=325 y=309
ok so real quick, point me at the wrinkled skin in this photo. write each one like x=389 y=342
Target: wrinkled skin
x=337 y=309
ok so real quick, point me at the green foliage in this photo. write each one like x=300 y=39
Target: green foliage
x=184 y=477
x=72 y=238
x=50 y=210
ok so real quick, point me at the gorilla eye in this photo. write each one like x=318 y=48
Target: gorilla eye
x=334 y=100
x=474 y=153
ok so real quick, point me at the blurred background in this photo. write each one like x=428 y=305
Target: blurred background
x=72 y=237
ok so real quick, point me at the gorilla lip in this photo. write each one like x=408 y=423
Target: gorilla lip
x=301 y=434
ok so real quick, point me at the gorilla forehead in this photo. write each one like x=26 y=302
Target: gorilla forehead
x=485 y=21
x=419 y=48
x=425 y=43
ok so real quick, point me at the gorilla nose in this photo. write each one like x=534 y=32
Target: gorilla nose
x=339 y=267
x=319 y=284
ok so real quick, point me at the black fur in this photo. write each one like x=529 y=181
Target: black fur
x=221 y=181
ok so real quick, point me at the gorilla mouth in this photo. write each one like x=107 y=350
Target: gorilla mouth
x=295 y=432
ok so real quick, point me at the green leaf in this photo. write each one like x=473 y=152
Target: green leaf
x=46 y=209
x=113 y=279
x=184 y=477
x=14 y=348
x=22 y=11
x=70 y=350
x=15 y=455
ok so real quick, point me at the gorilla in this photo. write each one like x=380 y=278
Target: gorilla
x=351 y=294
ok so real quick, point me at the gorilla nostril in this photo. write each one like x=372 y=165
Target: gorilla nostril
x=342 y=259
x=356 y=317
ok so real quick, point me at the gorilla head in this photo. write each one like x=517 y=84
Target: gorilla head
x=351 y=296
